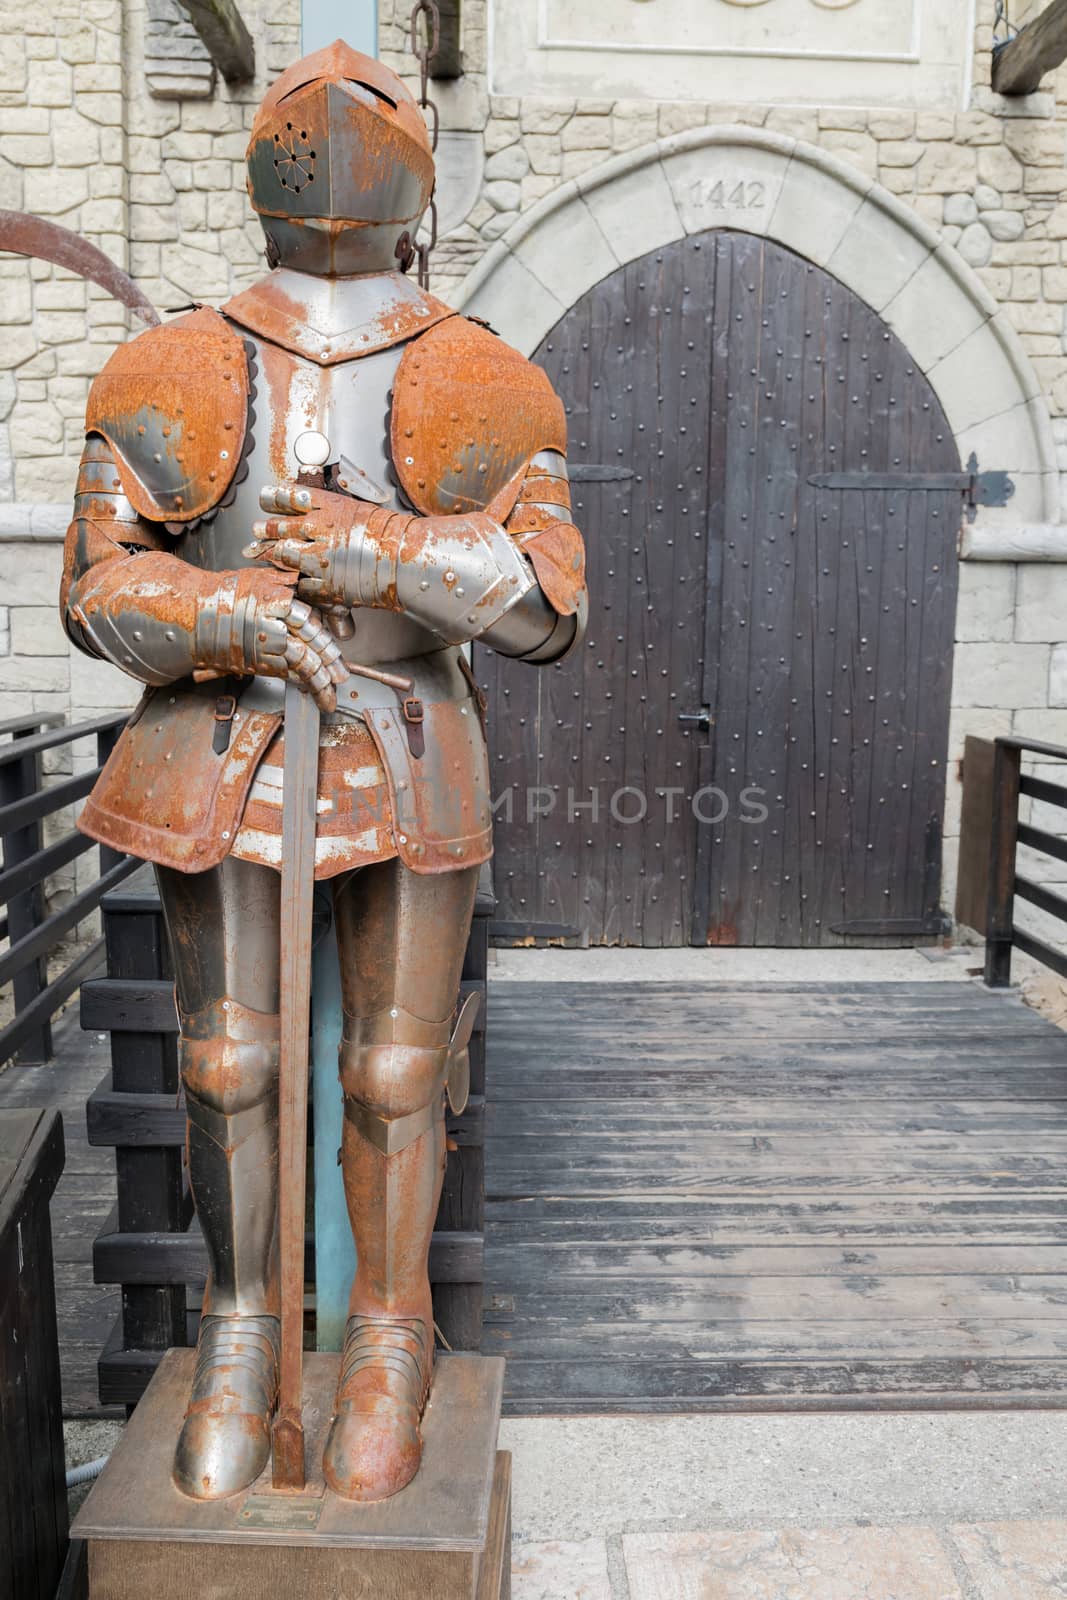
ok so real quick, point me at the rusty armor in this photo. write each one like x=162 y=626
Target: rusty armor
x=337 y=480
x=145 y=553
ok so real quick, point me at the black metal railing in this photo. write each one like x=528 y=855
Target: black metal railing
x=33 y=931
x=1006 y=883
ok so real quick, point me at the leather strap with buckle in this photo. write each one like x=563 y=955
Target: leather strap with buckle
x=413 y=718
x=225 y=711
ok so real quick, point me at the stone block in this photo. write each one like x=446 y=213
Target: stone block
x=876 y=256
x=551 y=1568
x=986 y=607
x=510 y=164
x=633 y=210
x=961 y=210
x=977 y=379
x=726 y=185
x=900 y=153
x=516 y=303
x=1004 y=224
x=51 y=84
x=1014 y=1560
x=36 y=631
x=814 y=211
x=975 y=245
x=503 y=196
x=864 y=1563
x=59 y=190
x=1041 y=608
x=101 y=687
x=35 y=673
x=545 y=116
x=857 y=150
x=930 y=314
x=105 y=109
x=544 y=154
x=567 y=252
x=1001 y=675
x=947 y=169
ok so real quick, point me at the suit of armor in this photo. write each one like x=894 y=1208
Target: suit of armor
x=412 y=471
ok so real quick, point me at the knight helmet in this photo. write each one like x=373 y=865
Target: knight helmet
x=340 y=168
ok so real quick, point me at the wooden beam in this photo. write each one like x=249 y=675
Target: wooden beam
x=1021 y=63
x=226 y=39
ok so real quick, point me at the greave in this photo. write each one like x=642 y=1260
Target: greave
x=230 y=1067
x=393 y=1155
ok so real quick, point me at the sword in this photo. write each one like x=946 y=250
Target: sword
x=300 y=793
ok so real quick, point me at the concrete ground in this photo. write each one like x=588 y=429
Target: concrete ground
x=919 y=1506
x=724 y=965
x=904 y=1507
x=901 y=1507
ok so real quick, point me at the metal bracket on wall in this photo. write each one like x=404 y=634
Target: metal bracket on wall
x=448 y=62
x=977 y=488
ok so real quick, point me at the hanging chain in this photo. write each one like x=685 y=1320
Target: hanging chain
x=425 y=41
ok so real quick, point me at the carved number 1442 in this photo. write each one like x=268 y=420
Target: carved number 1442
x=727 y=196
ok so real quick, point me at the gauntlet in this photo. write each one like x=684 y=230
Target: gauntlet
x=458 y=575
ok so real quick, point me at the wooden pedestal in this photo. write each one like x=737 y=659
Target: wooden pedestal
x=447 y=1536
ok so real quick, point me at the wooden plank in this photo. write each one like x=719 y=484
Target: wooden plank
x=744 y=1199
x=1020 y=63
x=181 y=1258
x=146 y=1005
x=605 y=1385
x=225 y=36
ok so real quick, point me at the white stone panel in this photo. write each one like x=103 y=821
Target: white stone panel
x=635 y=211
x=1041 y=604
x=1001 y=675
x=977 y=380
x=566 y=252
x=986 y=606
x=877 y=256
x=815 y=209
x=726 y=184
x=793 y=52
x=1009 y=441
x=516 y=303
x=931 y=315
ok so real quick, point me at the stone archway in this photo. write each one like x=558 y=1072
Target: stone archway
x=766 y=183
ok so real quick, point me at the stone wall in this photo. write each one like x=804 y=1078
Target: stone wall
x=158 y=183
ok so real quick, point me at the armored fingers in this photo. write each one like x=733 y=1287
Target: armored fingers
x=129 y=601
x=518 y=585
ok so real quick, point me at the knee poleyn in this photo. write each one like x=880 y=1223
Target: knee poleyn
x=394 y=1063
x=229 y=1056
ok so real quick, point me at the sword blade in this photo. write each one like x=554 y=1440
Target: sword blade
x=300 y=793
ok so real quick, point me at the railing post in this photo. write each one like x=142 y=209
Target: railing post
x=106 y=741
x=26 y=911
x=1007 y=761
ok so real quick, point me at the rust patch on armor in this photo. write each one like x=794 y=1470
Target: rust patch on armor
x=274 y=310
x=441 y=808
x=165 y=795
x=173 y=406
x=557 y=555
x=469 y=414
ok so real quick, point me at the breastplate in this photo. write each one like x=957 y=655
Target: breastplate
x=349 y=404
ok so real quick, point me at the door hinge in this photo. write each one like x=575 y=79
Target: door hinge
x=597 y=472
x=977 y=488
x=894 y=927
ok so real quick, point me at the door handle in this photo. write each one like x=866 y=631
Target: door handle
x=703 y=718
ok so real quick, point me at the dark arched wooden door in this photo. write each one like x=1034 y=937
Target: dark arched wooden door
x=804 y=629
